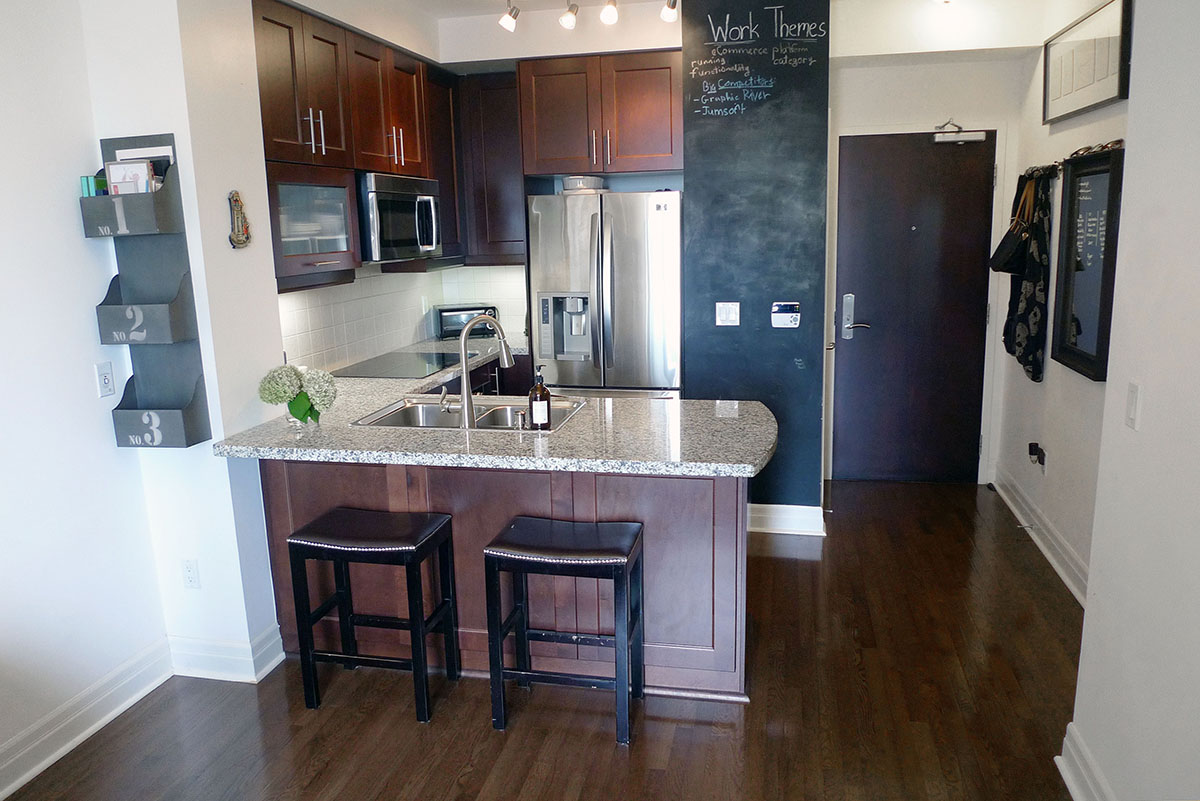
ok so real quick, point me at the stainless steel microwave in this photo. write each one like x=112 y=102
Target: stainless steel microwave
x=399 y=217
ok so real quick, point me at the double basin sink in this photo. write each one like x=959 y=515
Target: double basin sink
x=489 y=416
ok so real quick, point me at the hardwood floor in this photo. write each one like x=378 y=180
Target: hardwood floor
x=930 y=653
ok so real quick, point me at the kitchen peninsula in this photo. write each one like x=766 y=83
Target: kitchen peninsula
x=679 y=467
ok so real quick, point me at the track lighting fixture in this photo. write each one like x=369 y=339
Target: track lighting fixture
x=567 y=20
x=608 y=15
x=509 y=21
x=670 y=11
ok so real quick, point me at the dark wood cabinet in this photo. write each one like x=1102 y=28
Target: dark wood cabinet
x=561 y=117
x=494 y=194
x=642 y=100
x=518 y=379
x=441 y=137
x=314 y=224
x=388 y=101
x=617 y=113
x=694 y=551
x=304 y=92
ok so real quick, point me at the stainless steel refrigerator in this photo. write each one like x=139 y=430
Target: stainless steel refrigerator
x=604 y=291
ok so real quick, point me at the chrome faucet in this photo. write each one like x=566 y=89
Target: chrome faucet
x=506 y=360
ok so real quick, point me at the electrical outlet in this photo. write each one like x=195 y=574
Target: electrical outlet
x=105 y=385
x=1133 y=406
x=191 y=574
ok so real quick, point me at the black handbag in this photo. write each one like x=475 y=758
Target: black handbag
x=1009 y=255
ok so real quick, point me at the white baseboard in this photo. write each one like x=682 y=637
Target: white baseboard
x=776 y=518
x=1083 y=777
x=225 y=660
x=36 y=748
x=1071 y=568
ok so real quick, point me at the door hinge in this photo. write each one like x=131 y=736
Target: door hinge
x=987 y=320
x=995 y=174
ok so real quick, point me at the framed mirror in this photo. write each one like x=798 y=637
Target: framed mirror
x=1087 y=261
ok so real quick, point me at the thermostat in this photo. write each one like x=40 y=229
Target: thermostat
x=785 y=314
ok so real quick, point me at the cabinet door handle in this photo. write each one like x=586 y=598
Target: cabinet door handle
x=608 y=147
x=593 y=146
x=323 y=263
x=321 y=122
x=395 y=154
x=401 y=147
x=312 y=134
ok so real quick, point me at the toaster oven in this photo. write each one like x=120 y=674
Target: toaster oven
x=449 y=321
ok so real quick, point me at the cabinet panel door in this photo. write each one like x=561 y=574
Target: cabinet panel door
x=282 y=87
x=370 y=63
x=328 y=91
x=495 y=186
x=299 y=194
x=406 y=101
x=643 y=111
x=441 y=126
x=560 y=115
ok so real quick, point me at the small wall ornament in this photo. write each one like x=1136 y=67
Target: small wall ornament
x=239 y=226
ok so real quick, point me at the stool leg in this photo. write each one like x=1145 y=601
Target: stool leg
x=341 y=580
x=638 y=622
x=491 y=573
x=308 y=668
x=621 y=635
x=520 y=591
x=416 y=630
x=450 y=596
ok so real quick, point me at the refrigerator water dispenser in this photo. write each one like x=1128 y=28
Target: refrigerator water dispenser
x=564 y=333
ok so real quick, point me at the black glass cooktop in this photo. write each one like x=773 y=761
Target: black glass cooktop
x=400 y=364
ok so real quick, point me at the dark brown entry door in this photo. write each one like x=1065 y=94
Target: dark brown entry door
x=914 y=223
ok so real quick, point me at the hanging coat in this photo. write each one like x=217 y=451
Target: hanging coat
x=1025 y=325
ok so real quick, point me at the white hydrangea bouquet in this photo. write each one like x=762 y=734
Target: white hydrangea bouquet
x=306 y=392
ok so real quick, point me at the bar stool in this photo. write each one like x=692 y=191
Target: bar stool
x=344 y=536
x=565 y=548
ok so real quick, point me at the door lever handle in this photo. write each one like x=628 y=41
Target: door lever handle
x=859 y=325
x=848 y=324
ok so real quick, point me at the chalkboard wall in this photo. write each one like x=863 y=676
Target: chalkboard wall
x=756 y=94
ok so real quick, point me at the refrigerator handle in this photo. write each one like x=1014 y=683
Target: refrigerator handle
x=606 y=278
x=593 y=310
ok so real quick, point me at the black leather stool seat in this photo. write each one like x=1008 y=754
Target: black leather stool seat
x=537 y=539
x=346 y=536
x=611 y=551
x=367 y=531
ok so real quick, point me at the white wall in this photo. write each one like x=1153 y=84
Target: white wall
x=82 y=631
x=912 y=93
x=1063 y=413
x=226 y=628
x=1137 y=703
x=403 y=24
x=538 y=33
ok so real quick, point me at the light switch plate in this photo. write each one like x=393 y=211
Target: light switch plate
x=105 y=385
x=729 y=313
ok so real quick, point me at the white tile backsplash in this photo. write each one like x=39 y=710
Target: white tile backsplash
x=332 y=327
x=503 y=285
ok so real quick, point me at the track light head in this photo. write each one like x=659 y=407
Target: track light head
x=568 y=18
x=509 y=21
x=670 y=11
x=608 y=15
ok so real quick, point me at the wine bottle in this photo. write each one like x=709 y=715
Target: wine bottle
x=539 y=404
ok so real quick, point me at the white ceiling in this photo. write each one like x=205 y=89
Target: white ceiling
x=445 y=9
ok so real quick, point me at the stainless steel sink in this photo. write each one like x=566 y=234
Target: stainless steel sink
x=506 y=415
x=408 y=413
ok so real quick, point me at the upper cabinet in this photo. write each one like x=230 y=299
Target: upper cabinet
x=303 y=88
x=494 y=186
x=616 y=113
x=387 y=91
x=441 y=136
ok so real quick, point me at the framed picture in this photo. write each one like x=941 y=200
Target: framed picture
x=128 y=177
x=1086 y=64
x=1087 y=262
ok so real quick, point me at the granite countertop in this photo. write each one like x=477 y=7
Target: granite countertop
x=608 y=435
